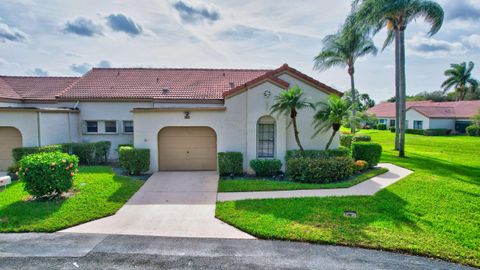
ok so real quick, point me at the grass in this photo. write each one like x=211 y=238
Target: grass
x=99 y=193
x=433 y=212
x=242 y=185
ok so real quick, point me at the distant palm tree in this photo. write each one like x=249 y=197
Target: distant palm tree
x=396 y=15
x=460 y=77
x=329 y=115
x=290 y=102
x=343 y=49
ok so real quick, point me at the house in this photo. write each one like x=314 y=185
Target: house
x=430 y=115
x=184 y=116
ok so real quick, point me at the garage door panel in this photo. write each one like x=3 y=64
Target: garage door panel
x=9 y=138
x=187 y=148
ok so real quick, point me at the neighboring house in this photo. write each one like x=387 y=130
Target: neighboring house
x=184 y=116
x=430 y=115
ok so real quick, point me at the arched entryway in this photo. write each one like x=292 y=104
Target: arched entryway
x=10 y=138
x=187 y=149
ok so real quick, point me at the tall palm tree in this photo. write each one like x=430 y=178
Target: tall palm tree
x=329 y=115
x=289 y=102
x=460 y=77
x=343 y=49
x=396 y=15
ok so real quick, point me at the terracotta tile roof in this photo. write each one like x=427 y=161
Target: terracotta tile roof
x=33 y=88
x=458 y=109
x=158 y=84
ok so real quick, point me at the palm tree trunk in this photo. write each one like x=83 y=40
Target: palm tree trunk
x=295 y=131
x=403 y=93
x=331 y=139
x=351 y=71
x=397 y=90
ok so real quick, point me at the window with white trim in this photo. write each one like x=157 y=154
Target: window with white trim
x=266 y=137
x=110 y=126
x=417 y=124
x=91 y=126
x=128 y=126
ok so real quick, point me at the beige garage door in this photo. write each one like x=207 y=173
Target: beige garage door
x=187 y=149
x=9 y=138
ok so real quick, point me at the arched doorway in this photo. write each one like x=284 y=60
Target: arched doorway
x=10 y=138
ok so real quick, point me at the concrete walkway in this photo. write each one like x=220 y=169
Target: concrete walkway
x=175 y=204
x=365 y=188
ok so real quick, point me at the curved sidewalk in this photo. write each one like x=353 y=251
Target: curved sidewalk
x=366 y=188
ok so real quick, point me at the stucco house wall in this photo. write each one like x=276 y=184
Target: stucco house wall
x=442 y=123
x=412 y=115
x=25 y=122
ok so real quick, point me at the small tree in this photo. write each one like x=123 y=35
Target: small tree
x=476 y=119
x=459 y=76
x=289 y=103
x=330 y=114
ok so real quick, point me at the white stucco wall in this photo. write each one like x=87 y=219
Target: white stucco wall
x=412 y=115
x=25 y=122
x=58 y=127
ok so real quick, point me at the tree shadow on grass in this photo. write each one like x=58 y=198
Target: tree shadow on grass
x=128 y=187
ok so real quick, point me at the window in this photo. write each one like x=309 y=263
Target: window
x=92 y=126
x=266 y=137
x=127 y=126
x=392 y=122
x=417 y=124
x=111 y=126
x=382 y=121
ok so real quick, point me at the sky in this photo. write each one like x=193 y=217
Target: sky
x=67 y=38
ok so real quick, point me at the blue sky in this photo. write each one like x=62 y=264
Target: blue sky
x=67 y=38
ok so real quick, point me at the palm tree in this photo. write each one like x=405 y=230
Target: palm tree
x=289 y=102
x=396 y=15
x=343 y=49
x=459 y=76
x=329 y=115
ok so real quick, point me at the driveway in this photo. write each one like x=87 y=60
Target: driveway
x=175 y=204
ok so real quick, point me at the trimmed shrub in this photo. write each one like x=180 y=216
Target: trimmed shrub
x=124 y=144
x=473 y=130
x=102 y=149
x=266 y=167
x=84 y=151
x=392 y=129
x=361 y=138
x=437 y=132
x=340 y=152
x=20 y=152
x=346 y=140
x=48 y=174
x=381 y=126
x=414 y=131
x=319 y=170
x=230 y=163
x=134 y=161
x=360 y=165
x=367 y=151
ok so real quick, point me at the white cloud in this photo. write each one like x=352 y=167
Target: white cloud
x=472 y=41
x=431 y=47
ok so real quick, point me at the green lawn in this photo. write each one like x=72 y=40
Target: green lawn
x=268 y=185
x=433 y=212
x=99 y=193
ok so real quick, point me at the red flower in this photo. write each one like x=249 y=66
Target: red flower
x=72 y=174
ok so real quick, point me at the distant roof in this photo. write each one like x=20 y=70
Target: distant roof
x=430 y=109
x=33 y=88
x=193 y=85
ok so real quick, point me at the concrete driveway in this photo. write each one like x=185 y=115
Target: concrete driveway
x=176 y=204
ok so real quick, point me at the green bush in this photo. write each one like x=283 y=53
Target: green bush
x=266 y=167
x=370 y=152
x=48 y=174
x=392 y=129
x=134 y=161
x=230 y=163
x=361 y=138
x=346 y=140
x=414 y=131
x=473 y=130
x=340 y=152
x=84 y=151
x=102 y=149
x=124 y=144
x=437 y=132
x=20 y=152
x=381 y=126
x=319 y=170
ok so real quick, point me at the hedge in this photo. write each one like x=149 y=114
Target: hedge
x=340 y=152
x=48 y=174
x=230 y=163
x=381 y=126
x=134 y=161
x=437 y=132
x=361 y=138
x=319 y=170
x=266 y=167
x=20 y=152
x=473 y=130
x=367 y=151
x=346 y=140
x=89 y=153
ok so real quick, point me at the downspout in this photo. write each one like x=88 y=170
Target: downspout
x=39 y=140
x=246 y=130
x=69 y=129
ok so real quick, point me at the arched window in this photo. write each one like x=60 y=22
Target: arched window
x=266 y=137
